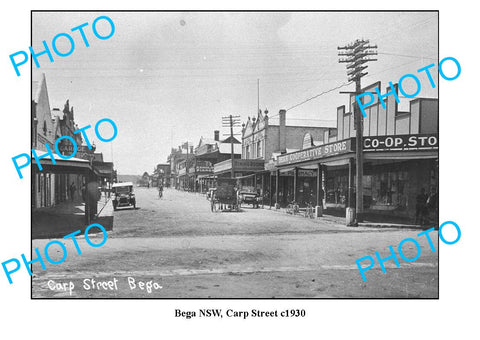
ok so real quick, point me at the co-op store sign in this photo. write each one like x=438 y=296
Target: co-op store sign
x=377 y=143
x=401 y=142
x=321 y=151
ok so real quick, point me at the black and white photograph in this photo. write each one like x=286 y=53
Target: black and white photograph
x=238 y=170
x=234 y=154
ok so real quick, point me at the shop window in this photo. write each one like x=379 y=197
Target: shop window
x=337 y=190
x=307 y=191
x=387 y=189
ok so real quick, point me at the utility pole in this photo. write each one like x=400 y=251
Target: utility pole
x=356 y=55
x=231 y=121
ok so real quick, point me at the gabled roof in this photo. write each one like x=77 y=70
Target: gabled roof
x=248 y=127
x=235 y=141
x=206 y=141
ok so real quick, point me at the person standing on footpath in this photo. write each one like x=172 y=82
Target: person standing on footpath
x=432 y=205
x=92 y=194
x=73 y=188
x=421 y=207
x=84 y=190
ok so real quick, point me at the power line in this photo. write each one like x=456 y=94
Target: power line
x=318 y=95
x=311 y=98
x=385 y=53
x=388 y=34
x=315 y=119
x=391 y=68
x=406 y=55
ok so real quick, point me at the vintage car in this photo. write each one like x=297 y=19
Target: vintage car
x=123 y=195
x=247 y=197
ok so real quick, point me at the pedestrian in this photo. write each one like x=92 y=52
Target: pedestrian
x=160 y=190
x=421 y=207
x=91 y=193
x=73 y=188
x=432 y=205
x=83 y=192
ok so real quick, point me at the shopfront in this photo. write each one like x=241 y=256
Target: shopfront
x=396 y=168
x=299 y=175
x=388 y=186
x=306 y=187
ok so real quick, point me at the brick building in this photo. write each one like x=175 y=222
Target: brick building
x=264 y=137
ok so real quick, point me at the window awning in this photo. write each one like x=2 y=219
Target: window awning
x=72 y=165
x=401 y=155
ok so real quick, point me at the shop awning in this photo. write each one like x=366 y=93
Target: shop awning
x=103 y=169
x=72 y=165
x=331 y=161
x=206 y=177
x=241 y=165
x=402 y=155
x=254 y=174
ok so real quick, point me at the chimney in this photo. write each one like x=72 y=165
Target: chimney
x=191 y=149
x=282 y=135
x=216 y=135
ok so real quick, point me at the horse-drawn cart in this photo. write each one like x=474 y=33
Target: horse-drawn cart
x=224 y=198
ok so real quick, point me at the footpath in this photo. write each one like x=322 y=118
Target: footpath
x=366 y=223
x=341 y=220
x=67 y=217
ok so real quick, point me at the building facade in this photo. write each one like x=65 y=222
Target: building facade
x=43 y=133
x=176 y=156
x=61 y=180
x=195 y=169
x=161 y=175
x=64 y=125
x=400 y=159
x=264 y=138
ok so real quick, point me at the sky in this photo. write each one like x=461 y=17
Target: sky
x=168 y=77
